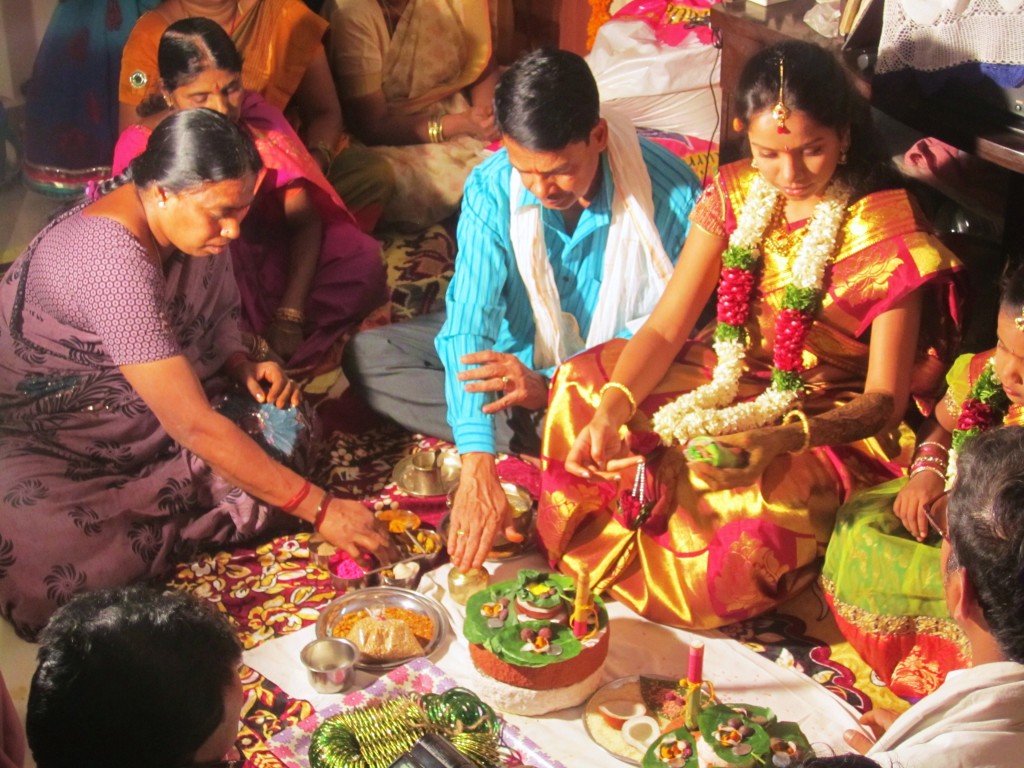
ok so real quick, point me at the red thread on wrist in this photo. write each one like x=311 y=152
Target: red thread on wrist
x=293 y=503
x=321 y=510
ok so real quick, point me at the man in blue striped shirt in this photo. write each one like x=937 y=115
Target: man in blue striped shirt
x=532 y=283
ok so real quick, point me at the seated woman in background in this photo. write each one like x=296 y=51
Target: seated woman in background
x=135 y=677
x=285 y=62
x=306 y=273
x=823 y=269
x=416 y=80
x=117 y=325
x=882 y=575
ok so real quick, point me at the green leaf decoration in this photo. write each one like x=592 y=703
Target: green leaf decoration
x=735 y=257
x=653 y=756
x=790 y=732
x=726 y=332
x=989 y=391
x=537 y=579
x=508 y=645
x=505 y=641
x=714 y=717
x=805 y=299
x=786 y=380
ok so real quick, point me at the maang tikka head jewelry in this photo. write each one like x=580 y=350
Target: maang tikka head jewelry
x=780 y=111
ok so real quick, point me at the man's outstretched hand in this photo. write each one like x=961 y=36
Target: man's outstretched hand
x=504 y=373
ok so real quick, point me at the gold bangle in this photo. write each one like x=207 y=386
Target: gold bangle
x=625 y=391
x=435 y=130
x=260 y=349
x=289 y=315
x=797 y=415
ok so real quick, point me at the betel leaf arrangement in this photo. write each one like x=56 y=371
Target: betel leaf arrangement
x=505 y=619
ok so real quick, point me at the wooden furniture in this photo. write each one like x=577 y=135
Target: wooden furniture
x=746 y=28
x=528 y=24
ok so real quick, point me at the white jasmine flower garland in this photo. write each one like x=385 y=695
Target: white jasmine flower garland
x=703 y=411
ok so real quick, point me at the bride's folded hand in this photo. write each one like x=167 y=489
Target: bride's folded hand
x=600 y=450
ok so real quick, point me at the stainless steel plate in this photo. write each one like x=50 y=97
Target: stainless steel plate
x=390 y=597
x=449 y=467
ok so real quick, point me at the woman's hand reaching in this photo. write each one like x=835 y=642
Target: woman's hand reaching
x=350 y=526
x=268 y=383
x=916 y=499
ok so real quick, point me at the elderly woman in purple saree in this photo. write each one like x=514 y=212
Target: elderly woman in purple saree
x=134 y=428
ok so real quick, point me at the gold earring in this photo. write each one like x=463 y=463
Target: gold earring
x=1019 y=320
x=753 y=163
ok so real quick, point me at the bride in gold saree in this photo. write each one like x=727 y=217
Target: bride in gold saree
x=824 y=269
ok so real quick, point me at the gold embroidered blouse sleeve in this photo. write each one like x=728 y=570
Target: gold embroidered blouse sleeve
x=709 y=211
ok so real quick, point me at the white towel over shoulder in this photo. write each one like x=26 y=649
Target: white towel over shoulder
x=636 y=267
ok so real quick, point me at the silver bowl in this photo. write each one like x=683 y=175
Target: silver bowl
x=373 y=597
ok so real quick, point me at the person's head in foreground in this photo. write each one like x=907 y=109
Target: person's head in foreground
x=1009 y=363
x=983 y=545
x=133 y=677
x=806 y=123
x=547 y=109
x=196 y=181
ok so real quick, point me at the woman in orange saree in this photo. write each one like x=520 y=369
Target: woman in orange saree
x=823 y=287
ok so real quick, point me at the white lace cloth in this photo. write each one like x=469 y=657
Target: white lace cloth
x=930 y=35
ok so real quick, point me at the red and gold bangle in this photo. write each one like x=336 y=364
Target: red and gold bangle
x=321 y=510
x=293 y=503
x=934 y=470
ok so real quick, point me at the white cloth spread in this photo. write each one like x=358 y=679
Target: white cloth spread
x=974 y=720
x=636 y=267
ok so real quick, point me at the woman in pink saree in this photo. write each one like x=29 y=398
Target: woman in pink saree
x=305 y=271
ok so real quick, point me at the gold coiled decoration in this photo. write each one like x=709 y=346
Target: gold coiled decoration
x=374 y=737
